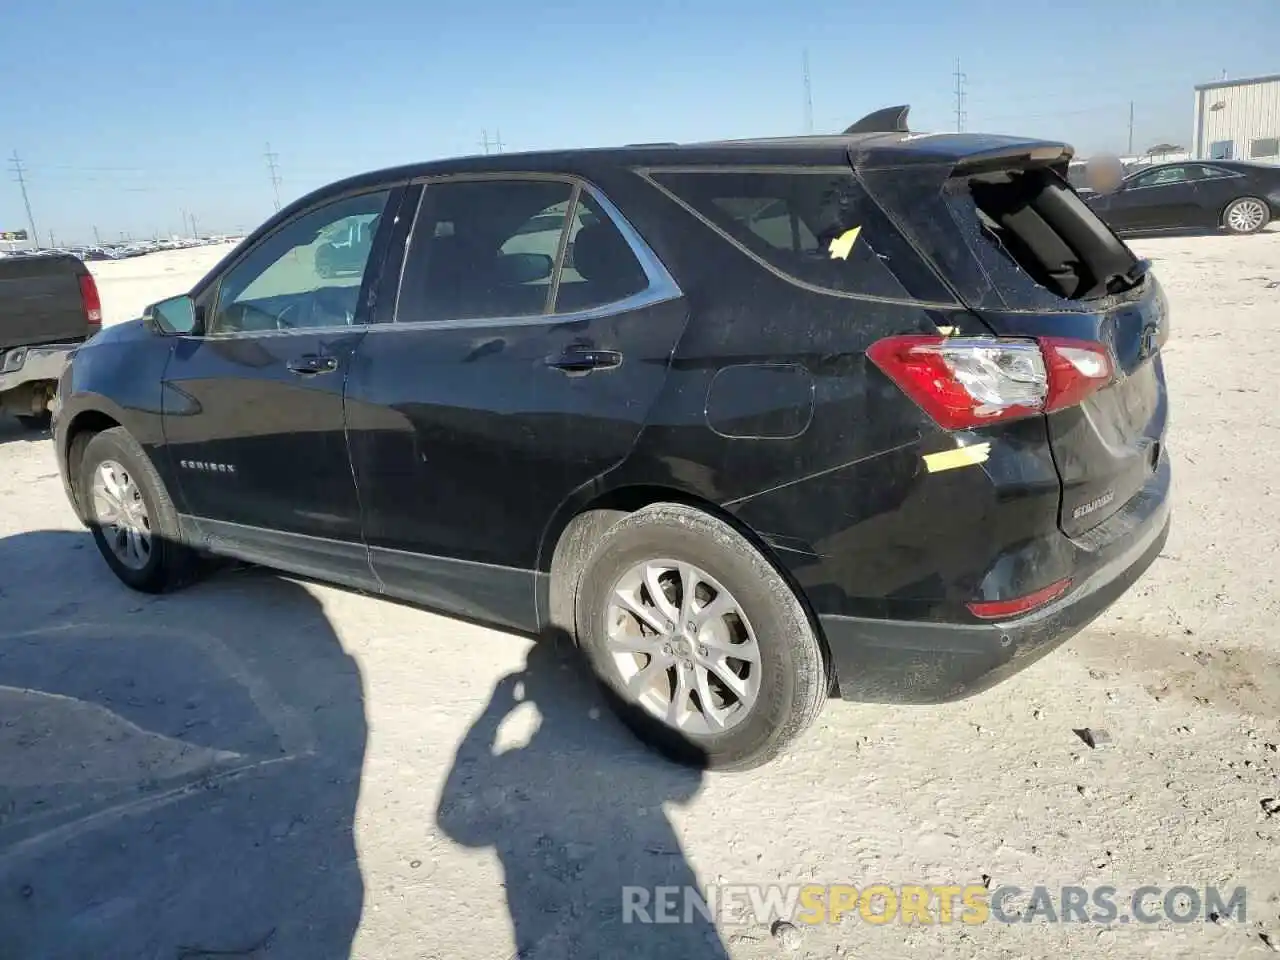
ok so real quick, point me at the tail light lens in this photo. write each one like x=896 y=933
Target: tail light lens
x=92 y=303
x=966 y=382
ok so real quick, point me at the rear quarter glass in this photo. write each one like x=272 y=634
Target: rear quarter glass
x=819 y=228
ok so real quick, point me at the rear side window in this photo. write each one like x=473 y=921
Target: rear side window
x=490 y=249
x=1182 y=173
x=820 y=228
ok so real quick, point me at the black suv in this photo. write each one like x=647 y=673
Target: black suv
x=876 y=415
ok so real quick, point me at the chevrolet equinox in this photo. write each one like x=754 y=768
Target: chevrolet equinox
x=876 y=416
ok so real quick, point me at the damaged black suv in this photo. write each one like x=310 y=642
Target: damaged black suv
x=877 y=415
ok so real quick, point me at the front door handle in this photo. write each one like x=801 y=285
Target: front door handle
x=585 y=359
x=311 y=365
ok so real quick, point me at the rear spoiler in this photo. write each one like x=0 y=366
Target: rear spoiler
x=967 y=153
x=888 y=120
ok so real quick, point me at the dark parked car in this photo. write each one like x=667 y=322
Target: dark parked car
x=48 y=306
x=1240 y=197
x=873 y=415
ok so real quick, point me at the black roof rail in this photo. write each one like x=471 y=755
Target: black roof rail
x=656 y=143
x=888 y=120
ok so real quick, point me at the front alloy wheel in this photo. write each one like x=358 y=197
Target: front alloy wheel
x=124 y=503
x=121 y=514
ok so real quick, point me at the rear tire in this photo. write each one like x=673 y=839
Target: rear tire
x=747 y=622
x=126 y=505
x=1246 y=215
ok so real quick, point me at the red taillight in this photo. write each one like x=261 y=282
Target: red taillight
x=1076 y=369
x=91 y=301
x=966 y=382
x=1003 y=609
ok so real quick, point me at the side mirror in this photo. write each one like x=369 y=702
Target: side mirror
x=175 y=316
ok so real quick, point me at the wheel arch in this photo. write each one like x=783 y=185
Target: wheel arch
x=82 y=428
x=571 y=537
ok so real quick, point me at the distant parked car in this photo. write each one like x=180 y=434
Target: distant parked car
x=1237 y=196
x=872 y=415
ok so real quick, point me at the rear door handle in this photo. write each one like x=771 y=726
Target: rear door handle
x=585 y=359
x=310 y=365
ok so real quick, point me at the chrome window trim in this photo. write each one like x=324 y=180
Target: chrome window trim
x=347 y=328
x=661 y=285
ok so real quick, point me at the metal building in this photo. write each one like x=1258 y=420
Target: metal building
x=1238 y=120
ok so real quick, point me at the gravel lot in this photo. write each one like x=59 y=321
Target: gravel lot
x=276 y=768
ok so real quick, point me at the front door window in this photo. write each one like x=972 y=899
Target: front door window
x=306 y=275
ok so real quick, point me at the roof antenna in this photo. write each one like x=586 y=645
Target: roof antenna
x=888 y=120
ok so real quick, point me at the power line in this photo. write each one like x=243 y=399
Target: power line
x=961 y=80
x=808 y=95
x=273 y=168
x=19 y=174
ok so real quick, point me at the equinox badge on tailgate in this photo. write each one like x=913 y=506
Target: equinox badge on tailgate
x=1096 y=504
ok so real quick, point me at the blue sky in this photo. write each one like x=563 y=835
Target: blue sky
x=128 y=112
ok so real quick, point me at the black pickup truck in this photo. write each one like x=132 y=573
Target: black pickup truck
x=49 y=305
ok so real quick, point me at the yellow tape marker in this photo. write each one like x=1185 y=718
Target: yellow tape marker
x=842 y=245
x=959 y=457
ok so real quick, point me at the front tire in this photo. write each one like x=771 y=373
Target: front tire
x=1246 y=215
x=131 y=516
x=704 y=650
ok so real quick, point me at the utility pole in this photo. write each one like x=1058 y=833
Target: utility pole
x=486 y=143
x=97 y=240
x=1130 y=128
x=194 y=232
x=273 y=168
x=19 y=175
x=808 y=96
x=961 y=80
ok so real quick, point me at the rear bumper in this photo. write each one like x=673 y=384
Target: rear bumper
x=20 y=365
x=895 y=661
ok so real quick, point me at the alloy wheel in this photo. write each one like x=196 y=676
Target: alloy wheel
x=683 y=646
x=121 y=514
x=1246 y=216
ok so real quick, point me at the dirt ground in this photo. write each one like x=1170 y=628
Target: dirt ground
x=281 y=769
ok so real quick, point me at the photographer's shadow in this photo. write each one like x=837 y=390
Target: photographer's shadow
x=178 y=775
x=574 y=810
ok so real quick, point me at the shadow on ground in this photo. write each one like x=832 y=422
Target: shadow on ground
x=573 y=807
x=13 y=431
x=178 y=777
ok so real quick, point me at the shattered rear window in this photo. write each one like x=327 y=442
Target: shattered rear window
x=820 y=228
